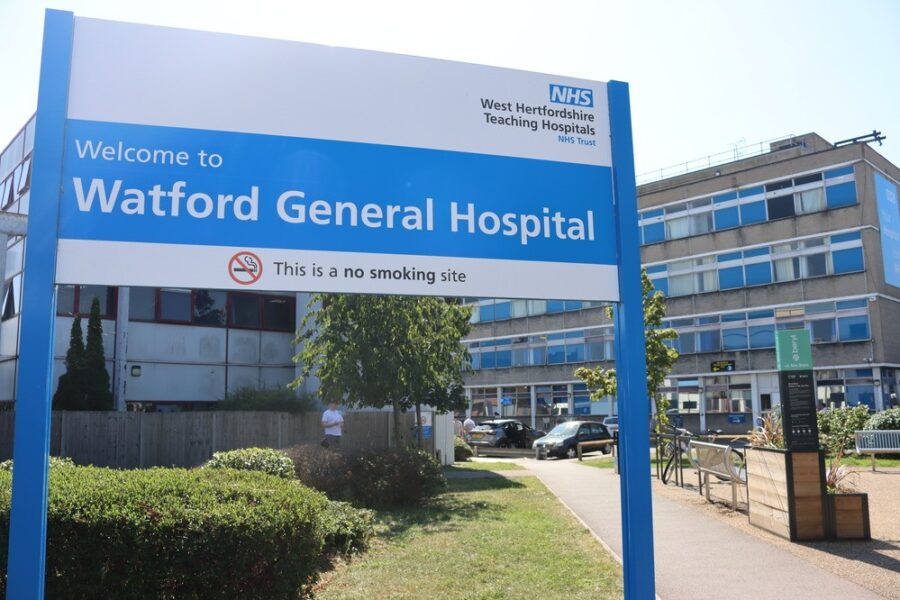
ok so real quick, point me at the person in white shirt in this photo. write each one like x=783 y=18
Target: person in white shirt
x=469 y=425
x=332 y=422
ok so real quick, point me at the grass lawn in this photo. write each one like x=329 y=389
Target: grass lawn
x=852 y=460
x=487 y=466
x=482 y=539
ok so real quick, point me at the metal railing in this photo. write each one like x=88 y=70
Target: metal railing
x=720 y=460
x=877 y=442
x=720 y=158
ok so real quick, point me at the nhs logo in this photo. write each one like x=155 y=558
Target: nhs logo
x=562 y=94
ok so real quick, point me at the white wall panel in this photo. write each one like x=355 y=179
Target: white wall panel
x=176 y=383
x=243 y=346
x=175 y=343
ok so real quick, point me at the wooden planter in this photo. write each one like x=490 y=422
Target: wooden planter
x=786 y=492
x=848 y=517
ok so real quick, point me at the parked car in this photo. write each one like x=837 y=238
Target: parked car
x=612 y=423
x=562 y=440
x=504 y=433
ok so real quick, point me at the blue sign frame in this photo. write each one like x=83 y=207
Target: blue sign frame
x=27 y=539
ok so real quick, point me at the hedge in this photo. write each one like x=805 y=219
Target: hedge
x=175 y=533
x=887 y=420
x=264 y=460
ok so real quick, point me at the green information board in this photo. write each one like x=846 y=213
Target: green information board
x=792 y=350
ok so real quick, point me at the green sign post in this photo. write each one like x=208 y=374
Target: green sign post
x=793 y=353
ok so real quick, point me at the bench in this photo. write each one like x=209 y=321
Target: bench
x=877 y=442
x=717 y=460
x=593 y=444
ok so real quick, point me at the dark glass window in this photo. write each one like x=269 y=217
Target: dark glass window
x=853 y=328
x=781 y=207
x=709 y=341
x=556 y=355
x=245 y=311
x=762 y=336
x=735 y=339
x=504 y=359
x=106 y=296
x=278 y=313
x=778 y=185
x=808 y=179
x=822 y=330
x=175 y=305
x=65 y=300
x=816 y=265
x=575 y=352
x=209 y=307
x=142 y=304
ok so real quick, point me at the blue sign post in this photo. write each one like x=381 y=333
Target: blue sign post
x=154 y=157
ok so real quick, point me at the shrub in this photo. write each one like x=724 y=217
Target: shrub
x=279 y=399
x=373 y=478
x=55 y=462
x=461 y=450
x=264 y=460
x=323 y=469
x=347 y=529
x=175 y=533
x=395 y=477
x=888 y=420
x=837 y=427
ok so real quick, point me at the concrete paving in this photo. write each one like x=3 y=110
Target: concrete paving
x=697 y=557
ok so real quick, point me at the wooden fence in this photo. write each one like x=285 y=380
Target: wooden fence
x=129 y=440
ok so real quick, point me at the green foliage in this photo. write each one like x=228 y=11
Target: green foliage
x=70 y=391
x=660 y=357
x=279 y=399
x=55 y=463
x=398 y=351
x=175 y=533
x=373 y=478
x=770 y=433
x=85 y=384
x=347 y=529
x=461 y=450
x=264 y=460
x=886 y=420
x=837 y=427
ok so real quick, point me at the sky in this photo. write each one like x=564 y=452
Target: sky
x=705 y=76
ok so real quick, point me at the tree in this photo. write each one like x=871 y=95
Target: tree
x=660 y=357
x=398 y=351
x=96 y=378
x=85 y=384
x=69 y=393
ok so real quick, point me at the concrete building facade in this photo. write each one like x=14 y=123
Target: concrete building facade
x=790 y=238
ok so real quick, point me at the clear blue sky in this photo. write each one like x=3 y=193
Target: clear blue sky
x=704 y=75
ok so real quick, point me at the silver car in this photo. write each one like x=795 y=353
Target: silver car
x=612 y=423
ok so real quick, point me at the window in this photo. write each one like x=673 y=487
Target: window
x=816 y=265
x=575 y=352
x=678 y=228
x=681 y=285
x=65 y=300
x=278 y=314
x=732 y=277
x=754 y=212
x=12 y=300
x=520 y=357
x=780 y=207
x=687 y=343
x=853 y=328
x=701 y=223
x=762 y=336
x=519 y=308
x=539 y=356
x=209 y=307
x=787 y=269
x=847 y=261
x=556 y=355
x=822 y=330
x=709 y=341
x=843 y=194
x=594 y=351
x=705 y=281
x=812 y=200
x=727 y=218
x=105 y=295
x=655 y=232
x=503 y=359
x=735 y=339
x=488 y=360
x=758 y=274
x=555 y=306
x=142 y=304
x=486 y=312
x=502 y=311
x=175 y=305
x=244 y=311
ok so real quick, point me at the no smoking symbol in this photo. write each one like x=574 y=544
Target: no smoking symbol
x=245 y=268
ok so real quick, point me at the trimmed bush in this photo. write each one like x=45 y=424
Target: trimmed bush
x=347 y=528
x=461 y=450
x=175 y=533
x=887 y=420
x=838 y=426
x=264 y=460
x=323 y=469
x=55 y=462
x=373 y=478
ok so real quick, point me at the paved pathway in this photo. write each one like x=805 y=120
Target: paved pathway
x=697 y=557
